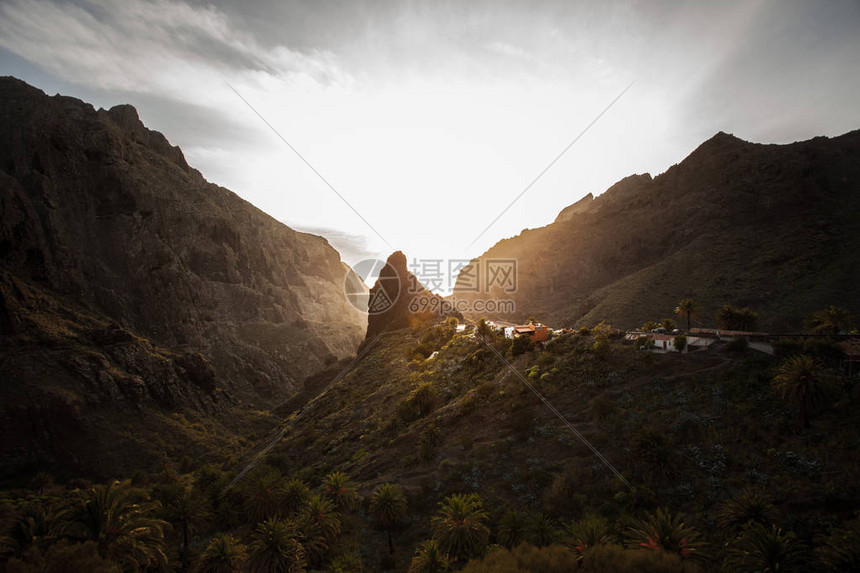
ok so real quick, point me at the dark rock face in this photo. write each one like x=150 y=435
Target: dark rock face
x=405 y=301
x=126 y=278
x=773 y=227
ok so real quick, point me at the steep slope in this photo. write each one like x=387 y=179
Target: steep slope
x=687 y=432
x=773 y=227
x=128 y=281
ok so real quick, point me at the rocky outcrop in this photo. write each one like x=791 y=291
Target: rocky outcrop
x=399 y=300
x=773 y=227
x=581 y=206
x=126 y=279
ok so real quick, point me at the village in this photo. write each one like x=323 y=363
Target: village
x=661 y=340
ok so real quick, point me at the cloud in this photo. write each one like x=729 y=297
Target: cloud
x=166 y=47
x=353 y=247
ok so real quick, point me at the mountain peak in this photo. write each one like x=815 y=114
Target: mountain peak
x=393 y=303
x=397 y=260
x=125 y=116
x=730 y=209
x=581 y=206
x=722 y=140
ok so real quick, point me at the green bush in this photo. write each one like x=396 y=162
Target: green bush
x=563 y=344
x=521 y=345
x=421 y=401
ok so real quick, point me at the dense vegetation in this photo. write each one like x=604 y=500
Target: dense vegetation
x=736 y=460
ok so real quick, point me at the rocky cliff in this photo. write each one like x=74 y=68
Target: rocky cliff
x=773 y=227
x=128 y=282
x=399 y=300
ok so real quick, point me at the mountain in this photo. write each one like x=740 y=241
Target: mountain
x=133 y=293
x=772 y=227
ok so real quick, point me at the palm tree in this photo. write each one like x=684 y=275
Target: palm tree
x=541 y=531
x=483 y=329
x=320 y=525
x=589 y=532
x=224 y=554
x=189 y=511
x=733 y=318
x=802 y=381
x=765 y=549
x=748 y=319
x=429 y=558
x=461 y=526
x=747 y=507
x=839 y=550
x=119 y=519
x=275 y=548
x=831 y=320
x=264 y=495
x=512 y=529
x=652 y=447
x=294 y=496
x=340 y=490
x=664 y=531
x=38 y=526
x=387 y=508
x=349 y=562
x=686 y=310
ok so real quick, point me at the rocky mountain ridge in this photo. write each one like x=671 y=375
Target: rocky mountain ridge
x=773 y=227
x=128 y=281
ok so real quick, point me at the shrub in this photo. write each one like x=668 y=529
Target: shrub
x=601 y=333
x=602 y=407
x=525 y=558
x=619 y=560
x=521 y=345
x=420 y=402
x=562 y=344
x=430 y=441
x=545 y=359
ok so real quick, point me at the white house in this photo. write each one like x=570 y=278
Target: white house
x=663 y=342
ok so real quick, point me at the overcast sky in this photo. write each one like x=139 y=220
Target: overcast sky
x=429 y=118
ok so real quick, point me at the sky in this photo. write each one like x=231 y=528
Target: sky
x=413 y=125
